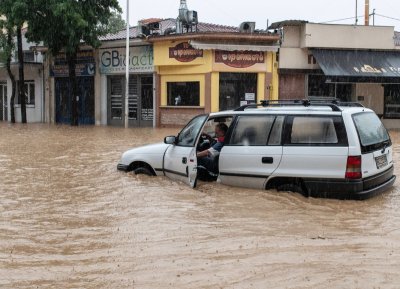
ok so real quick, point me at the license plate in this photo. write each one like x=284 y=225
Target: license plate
x=381 y=161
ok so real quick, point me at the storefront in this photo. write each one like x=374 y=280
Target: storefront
x=140 y=89
x=200 y=77
x=369 y=77
x=85 y=72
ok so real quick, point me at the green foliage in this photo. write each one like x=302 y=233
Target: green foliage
x=6 y=27
x=65 y=24
x=115 y=24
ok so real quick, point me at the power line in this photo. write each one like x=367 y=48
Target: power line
x=387 y=17
x=337 y=20
x=360 y=16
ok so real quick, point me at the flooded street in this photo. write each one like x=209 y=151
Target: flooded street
x=69 y=219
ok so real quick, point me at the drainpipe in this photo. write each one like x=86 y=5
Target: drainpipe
x=366 y=14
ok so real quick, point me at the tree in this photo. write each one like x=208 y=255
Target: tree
x=6 y=50
x=115 y=24
x=13 y=11
x=64 y=25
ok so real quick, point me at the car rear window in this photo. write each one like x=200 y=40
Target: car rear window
x=315 y=130
x=371 y=131
x=310 y=130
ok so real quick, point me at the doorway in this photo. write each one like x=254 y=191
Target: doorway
x=237 y=89
x=85 y=100
x=140 y=101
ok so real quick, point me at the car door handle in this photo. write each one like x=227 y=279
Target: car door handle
x=267 y=160
x=184 y=160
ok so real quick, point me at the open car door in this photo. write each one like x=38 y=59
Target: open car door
x=180 y=161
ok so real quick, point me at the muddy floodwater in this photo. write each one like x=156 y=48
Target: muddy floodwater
x=69 y=219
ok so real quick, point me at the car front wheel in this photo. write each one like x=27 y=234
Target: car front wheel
x=143 y=171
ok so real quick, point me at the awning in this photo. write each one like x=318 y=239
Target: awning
x=358 y=63
x=232 y=47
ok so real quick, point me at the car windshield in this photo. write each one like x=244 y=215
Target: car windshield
x=188 y=135
x=370 y=129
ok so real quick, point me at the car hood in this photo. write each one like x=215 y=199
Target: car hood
x=141 y=152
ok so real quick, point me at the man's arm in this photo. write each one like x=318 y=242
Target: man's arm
x=202 y=154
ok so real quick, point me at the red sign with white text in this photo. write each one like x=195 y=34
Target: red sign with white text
x=239 y=59
x=184 y=52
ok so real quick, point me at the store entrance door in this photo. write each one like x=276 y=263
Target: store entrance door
x=236 y=89
x=140 y=101
x=85 y=100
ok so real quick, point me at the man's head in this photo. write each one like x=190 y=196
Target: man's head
x=221 y=129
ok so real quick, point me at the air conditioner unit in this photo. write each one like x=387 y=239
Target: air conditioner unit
x=192 y=16
x=247 y=27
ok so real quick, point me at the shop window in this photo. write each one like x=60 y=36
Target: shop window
x=29 y=93
x=29 y=56
x=319 y=86
x=392 y=101
x=183 y=93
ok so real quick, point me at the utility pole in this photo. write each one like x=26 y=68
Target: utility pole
x=366 y=13
x=127 y=68
x=356 y=14
x=373 y=17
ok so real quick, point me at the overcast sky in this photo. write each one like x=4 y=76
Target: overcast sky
x=233 y=12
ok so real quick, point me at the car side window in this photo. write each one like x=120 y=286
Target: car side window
x=313 y=130
x=188 y=135
x=252 y=130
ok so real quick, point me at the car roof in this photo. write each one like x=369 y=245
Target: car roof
x=295 y=109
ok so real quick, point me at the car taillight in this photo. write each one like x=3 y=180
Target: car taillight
x=353 y=167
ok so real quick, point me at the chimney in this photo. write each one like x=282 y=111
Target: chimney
x=366 y=13
x=183 y=9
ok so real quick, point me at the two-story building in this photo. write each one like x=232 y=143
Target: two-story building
x=33 y=78
x=357 y=63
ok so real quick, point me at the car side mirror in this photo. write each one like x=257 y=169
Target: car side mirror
x=170 y=139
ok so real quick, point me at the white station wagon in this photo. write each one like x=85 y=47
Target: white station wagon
x=318 y=149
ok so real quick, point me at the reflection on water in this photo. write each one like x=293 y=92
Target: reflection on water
x=69 y=219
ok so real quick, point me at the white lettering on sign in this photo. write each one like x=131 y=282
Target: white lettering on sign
x=370 y=69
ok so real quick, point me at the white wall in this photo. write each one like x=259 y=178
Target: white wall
x=348 y=36
x=33 y=112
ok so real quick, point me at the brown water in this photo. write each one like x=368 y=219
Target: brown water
x=69 y=219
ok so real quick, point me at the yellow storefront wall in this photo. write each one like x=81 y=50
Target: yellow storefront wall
x=172 y=70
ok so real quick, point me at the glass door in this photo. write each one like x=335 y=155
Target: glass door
x=115 y=103
x=237 y=89
x=146 y=115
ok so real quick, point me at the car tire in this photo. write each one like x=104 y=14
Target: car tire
x=290 y=187
x=143 y=171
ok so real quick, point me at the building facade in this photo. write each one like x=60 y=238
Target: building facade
x=344 y=62
x=33 y=79
x=207 y=72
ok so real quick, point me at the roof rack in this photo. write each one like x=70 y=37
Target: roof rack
x=333 y=104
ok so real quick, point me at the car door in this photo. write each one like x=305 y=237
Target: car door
x=253 y=151
x=180 y=162
x=314 y=147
